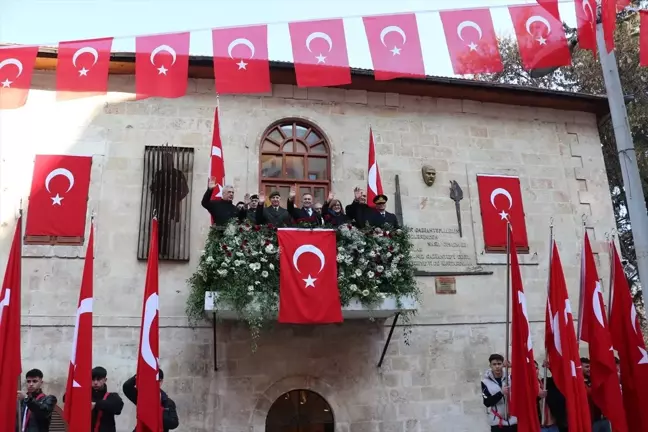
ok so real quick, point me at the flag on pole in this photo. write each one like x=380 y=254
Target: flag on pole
x=78 y=393
x=629 y=342
x=524 y=387
x=374 y=181
x=10 y=363
x=562 y=348
x=604 y=390
x=149 y=414
x=217 y=163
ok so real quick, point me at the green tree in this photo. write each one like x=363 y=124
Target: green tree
x=585 y=76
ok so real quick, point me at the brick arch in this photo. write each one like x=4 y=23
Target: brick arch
x=297 y=382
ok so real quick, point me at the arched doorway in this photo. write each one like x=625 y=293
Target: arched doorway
x=300 y=411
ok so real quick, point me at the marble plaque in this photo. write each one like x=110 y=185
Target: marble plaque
x=441 y=250
x=445 y=285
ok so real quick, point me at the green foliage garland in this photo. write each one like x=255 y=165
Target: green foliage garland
x=241 y=263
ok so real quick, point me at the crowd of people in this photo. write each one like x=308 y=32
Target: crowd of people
x=330 y=213
x=36 y=407
x=552 y=412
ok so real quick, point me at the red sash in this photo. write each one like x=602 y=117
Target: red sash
x=98 y=421
x=28 y=413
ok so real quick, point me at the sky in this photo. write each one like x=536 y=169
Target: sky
x=46 y=22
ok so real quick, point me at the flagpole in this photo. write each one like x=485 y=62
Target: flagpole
x=19 y=309
x=612 y=275
x=582 y=283
x=544 y=363
x=508 y=312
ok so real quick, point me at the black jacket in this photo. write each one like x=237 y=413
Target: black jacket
x=40 y=408
x=333 y=218
x=170 y=419
x=109 y=407
x=300 y=215
x=268 y=215
x=555 y=403
x=362 y=214
x=221 y=211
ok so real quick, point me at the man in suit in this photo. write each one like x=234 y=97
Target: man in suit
x=222 y=210
x=380 y=216
x=306 y=213
x=273 y=214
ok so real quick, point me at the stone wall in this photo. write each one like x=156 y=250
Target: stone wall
x=432 y=383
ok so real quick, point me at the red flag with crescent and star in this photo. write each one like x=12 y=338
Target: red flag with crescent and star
x=217 y=170
x=374 y=181
x=78 y=392
x=308 y=283
x=395 y=46
x=10 y=357
x=16 y=70
x=524 y=387
x=541 y=37
x=593 y=326
x=162 y=65
x=241 y=62
x=562 y=348
x=149 y=414
x=586 y=24
x=320 y=53
x=500 y=200
x=82 y=68
x=471 y=40
x=59 y=196
x=628 y=340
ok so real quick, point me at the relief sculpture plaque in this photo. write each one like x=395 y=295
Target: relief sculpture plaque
x=441 y=250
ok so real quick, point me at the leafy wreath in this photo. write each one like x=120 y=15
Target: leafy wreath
x=241 y=263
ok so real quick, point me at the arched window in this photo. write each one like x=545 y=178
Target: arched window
x=294 y=152
x=300 y=411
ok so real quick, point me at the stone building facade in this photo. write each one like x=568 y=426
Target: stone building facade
x=430 y=379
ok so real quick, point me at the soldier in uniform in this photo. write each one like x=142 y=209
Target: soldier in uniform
x=273 y=214
x=380 y=216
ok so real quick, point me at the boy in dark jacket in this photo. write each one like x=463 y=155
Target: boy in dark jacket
x=35 y=407
x=169 y=414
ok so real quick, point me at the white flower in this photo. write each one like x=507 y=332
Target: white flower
x=255 y=253
x=380 y=269
x=221 y=272
x=257 y=283
x=270 y=248
x=370 y=274
x=388 y=274
x=353 y=287
x=264 y=274
x=389 y=255
x=209 y=259
x=365 y=293
x=255 y=266
x=271 y=266
x=250 y=288
x=340 y=258
x=224 y=264
x=262 y=259
x=382 y=295
x=237 y=263
x=372 y=254
x=239 y=254
x=340 y=249
x=348 y=260
x=358 y=272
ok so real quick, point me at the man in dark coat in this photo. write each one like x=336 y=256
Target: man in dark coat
x=273 y=214
x=35 y=406
x=380 y=216
x=305 y=214
x=221 y=210
x=170 y=419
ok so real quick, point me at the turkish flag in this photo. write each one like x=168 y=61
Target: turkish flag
x=608 y=18
x=59 y=196
x=395 y=46
x=628 y=341
x=374 y=181
x=562 y=348
x=161 y=65
x=241 y=60
x=541 y=37
x=471 y=41
x=320 y=53
x=643 y=37
x=10 y=364
x=524 y=387
x=78 y=392
x=308 y=286
x=604 y=390
x=16 y=70
x=217 y=162
x=500 y=199
x=586 y=23
x=149 y=417
x=82 y=68
x=551 y=6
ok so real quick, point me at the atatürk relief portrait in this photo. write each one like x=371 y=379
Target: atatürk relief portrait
x=429 y=175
